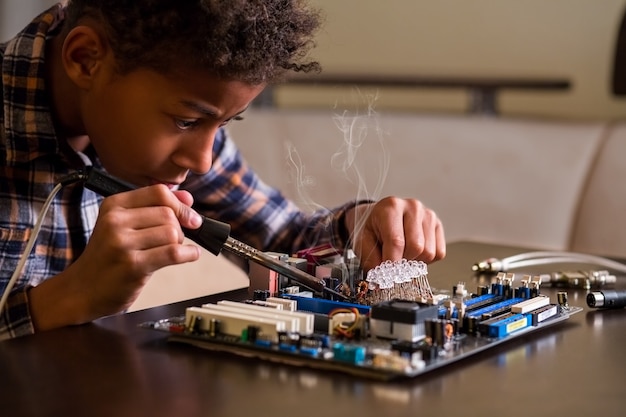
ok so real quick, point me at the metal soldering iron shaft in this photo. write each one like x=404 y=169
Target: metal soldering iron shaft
x=250 y=253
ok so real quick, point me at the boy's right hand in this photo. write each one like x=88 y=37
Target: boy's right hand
x=136 y=233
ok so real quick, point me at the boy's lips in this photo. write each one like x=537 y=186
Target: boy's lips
x=170 y=185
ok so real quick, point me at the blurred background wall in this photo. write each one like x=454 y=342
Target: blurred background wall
x=15 y=14
x=571 y=39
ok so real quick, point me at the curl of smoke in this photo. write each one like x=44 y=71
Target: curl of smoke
x=356 y=129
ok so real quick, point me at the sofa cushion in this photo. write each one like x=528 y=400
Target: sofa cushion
x=599 y=227
x=500 y=180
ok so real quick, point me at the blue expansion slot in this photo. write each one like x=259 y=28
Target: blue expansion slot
x=508 y=325
x=492 y=307
x=471 y=303
x=323 y=306
x=475 y=300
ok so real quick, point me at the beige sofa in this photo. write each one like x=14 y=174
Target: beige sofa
x=537 y=183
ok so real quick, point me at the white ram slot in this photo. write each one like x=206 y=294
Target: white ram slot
x=268 y=304
x=292 y=323
x=307 y=320
x=289 y=305
x=531 y=304
x=234 y=323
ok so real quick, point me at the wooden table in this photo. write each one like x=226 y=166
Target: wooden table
x=114 y=368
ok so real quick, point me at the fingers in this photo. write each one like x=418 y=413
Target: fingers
x=159 y=196
x=164 y=255
x=142 y=229
x=137 y=233
x=423 y=231
x=141 y=240
x=184 y=197
x=440 y=247
x=399 y=228
x=186 y=215
x=368 y=250
x=145 y=227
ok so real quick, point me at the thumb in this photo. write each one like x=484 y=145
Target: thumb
x=187 y=216
x=184 y=197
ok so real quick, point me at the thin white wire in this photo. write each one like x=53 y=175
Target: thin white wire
x=530 y=255
x=29 y=246
x=527 y=259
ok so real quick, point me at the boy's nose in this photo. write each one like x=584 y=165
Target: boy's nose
x=196 y=154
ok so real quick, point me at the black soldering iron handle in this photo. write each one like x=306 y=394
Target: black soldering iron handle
x=607 y=299
x=211 y=235
x=104 y=184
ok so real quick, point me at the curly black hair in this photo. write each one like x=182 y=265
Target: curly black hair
x=254 y=41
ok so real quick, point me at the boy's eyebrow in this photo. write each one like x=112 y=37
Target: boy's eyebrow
x=206 y=110
x=199 y=108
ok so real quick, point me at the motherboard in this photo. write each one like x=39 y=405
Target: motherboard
x=392 y=326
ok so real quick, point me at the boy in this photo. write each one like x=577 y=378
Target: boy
x=143 y=89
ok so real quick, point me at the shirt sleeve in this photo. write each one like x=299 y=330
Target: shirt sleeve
x=260 y=215
x=15 y=318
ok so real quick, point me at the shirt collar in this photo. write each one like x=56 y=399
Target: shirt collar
x=28 y=127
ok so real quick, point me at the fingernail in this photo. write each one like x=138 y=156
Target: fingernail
x=195 y=219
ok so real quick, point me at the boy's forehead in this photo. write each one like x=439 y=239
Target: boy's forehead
x=200 y=91
x=193 y=89
x=205 y=80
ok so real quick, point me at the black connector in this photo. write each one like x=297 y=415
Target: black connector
x=607 y=299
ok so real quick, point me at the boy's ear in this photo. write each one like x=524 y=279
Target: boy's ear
x=84 y=53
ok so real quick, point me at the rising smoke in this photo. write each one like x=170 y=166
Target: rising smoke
x=360 y=157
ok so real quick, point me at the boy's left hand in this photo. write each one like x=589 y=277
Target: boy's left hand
x=395 y=228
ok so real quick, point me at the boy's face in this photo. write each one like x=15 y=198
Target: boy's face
x=148 y=128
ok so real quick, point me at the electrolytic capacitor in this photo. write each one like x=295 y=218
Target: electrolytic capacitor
x=561 y=298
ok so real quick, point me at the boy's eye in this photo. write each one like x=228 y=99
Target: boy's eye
x=185 y=124
x=229 y=120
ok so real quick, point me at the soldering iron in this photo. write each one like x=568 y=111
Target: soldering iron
x=212 y=235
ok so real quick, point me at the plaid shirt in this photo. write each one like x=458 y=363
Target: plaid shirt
x=33 y=159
